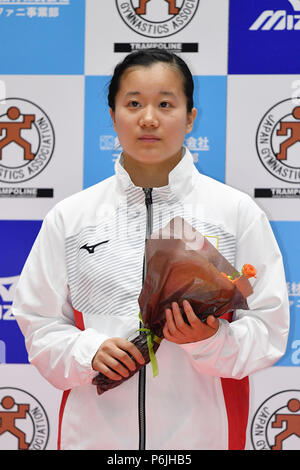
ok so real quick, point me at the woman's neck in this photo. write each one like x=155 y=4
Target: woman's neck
x=150 y=176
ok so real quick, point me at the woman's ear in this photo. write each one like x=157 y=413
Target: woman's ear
x=190 y=120
x=112 y=115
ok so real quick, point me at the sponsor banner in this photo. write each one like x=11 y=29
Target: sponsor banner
x=206 y=142
x=41 y=139
x=190 y=27
x=48 y=36
x=18 y=117
x=12 y=341
x=274 y=419
x=175 y=47
x=26 y=192
x=29 y=408
x=101 y=146
x=263 y=136
x=277 y=192
x=16 y=240
x=264 y=37
x=287 y=235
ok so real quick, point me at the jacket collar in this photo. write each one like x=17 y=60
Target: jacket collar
x=181 y=179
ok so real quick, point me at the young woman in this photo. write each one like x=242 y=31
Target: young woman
x=77 y=299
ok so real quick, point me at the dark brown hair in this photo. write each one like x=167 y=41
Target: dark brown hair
x=146 y=58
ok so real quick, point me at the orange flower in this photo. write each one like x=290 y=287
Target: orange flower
x=249 y=271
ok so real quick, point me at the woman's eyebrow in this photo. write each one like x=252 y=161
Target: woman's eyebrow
x=169 y=93
x=134 y=93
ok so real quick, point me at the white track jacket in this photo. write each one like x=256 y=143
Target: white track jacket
x=81 y=283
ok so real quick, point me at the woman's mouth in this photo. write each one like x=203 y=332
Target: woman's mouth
x=149 y=138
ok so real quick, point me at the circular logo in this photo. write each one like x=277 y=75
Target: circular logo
x=277 y=140
x=24 y=422
x=157 y=19
x=26 y=140
x=276 y=423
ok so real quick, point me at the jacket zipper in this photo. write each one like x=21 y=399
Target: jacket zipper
x=142 y=372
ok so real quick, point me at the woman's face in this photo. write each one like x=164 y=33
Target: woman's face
x=150 y=116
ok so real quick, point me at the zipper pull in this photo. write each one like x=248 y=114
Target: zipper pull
x=148 y=195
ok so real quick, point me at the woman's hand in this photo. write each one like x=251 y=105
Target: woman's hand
x=113 y=358
x=177 y=331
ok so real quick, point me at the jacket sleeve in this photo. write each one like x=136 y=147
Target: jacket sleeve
x=61 y=352
x=256 y=338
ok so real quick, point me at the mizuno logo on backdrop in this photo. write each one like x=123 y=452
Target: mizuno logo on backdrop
x=91 y=248
x=278 y=20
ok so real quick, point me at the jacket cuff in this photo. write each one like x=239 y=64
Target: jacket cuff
x=85 y=350
x=208 y=345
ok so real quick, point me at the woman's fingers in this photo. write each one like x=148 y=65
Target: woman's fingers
x=105 y=370
x=169 y=328
x=175 y=328
x=178 y=331
x=132 y=350
x=180 y=324
x=193 y=320
x=212 y=322
x=170 y=321
x=116 y=357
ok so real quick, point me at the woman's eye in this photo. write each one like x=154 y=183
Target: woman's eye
x=134 y=104
x=164 y=104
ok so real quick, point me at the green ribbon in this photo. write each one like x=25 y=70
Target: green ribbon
x=151 y=337
x=234 y=275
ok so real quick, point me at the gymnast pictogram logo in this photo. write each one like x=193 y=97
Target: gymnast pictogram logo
x=276 y=423
x=141 y=9
x=26 y=140
x=13 y=129
x=8 y=420
x=24 y=424
x=278 y=140
x=291 y=129
x=290 y=422
x=157 y=18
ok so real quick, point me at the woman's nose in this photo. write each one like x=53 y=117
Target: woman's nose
x=148 y=118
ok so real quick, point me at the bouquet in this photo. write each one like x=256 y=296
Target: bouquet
x=182 y=264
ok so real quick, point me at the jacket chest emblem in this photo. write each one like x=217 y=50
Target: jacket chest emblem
x=91 y=248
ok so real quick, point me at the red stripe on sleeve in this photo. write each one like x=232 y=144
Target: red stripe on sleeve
x=80 y=324
x=236 y=396
x=61 y=412
x=79 y=320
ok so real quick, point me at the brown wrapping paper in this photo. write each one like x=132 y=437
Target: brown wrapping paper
x=182 y=264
